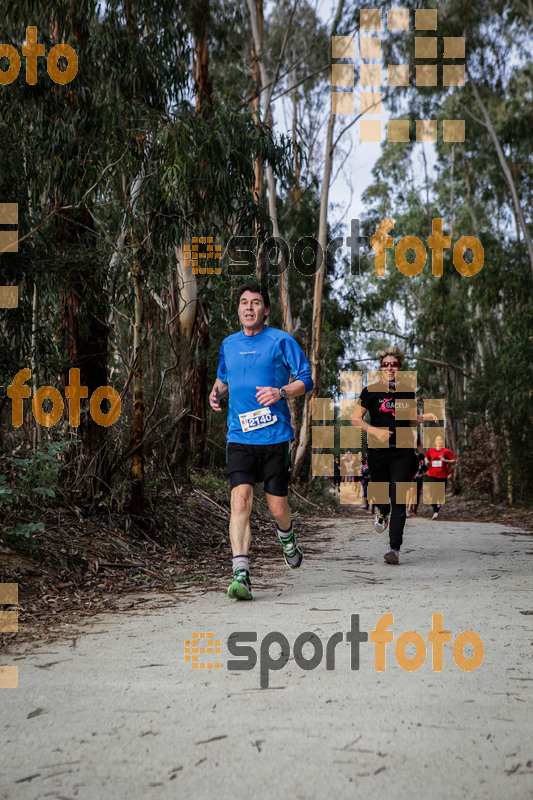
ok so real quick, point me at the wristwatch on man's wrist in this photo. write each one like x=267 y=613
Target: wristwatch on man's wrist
x=282 y=393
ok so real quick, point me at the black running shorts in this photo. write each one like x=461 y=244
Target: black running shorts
x=267 y=463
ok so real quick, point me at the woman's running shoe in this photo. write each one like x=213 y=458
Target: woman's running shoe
x=240 y=587
x=392 y=556
x=435 y=515
x=380 y=522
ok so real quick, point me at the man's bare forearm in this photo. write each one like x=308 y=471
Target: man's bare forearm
x=222 y=387
x=294 y=389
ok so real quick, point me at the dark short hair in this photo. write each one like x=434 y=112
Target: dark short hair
x=251 y=286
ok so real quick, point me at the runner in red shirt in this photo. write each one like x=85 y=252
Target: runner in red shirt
x=439 y=459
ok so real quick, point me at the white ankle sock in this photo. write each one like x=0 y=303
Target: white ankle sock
x=241 y=562
x=284 y=534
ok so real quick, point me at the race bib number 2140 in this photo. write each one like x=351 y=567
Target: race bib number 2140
x=260 y=418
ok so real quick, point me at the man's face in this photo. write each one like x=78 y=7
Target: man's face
x=252 y=311
x=439 y=442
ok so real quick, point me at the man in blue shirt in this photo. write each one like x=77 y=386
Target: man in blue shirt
x=254 y=368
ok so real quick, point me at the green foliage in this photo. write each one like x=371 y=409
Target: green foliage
x=212 y=483
x=29 y=481
x=24 y=531
x=39 y=472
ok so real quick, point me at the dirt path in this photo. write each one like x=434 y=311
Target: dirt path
x=113 y=711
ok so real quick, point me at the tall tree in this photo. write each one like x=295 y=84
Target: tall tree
x=321 y=264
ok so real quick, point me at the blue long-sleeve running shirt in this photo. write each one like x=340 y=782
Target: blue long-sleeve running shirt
x=266 y=359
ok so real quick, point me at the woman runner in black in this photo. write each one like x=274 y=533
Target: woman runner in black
x=395 y=462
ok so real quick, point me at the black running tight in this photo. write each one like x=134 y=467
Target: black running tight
x=430 y=478
x=393 y=465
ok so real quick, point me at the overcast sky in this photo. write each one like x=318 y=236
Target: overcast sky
x=356 y=174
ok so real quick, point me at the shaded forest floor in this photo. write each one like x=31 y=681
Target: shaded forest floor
x=89 y=560
x=459 y=507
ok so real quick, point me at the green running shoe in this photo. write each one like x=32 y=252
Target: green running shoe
x=292 y=552
x=240 y=587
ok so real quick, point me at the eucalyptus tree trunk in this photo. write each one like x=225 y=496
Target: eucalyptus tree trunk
x=190 y=324
x=509 y=462
x=259 y=167
x=452 y=208
x=37 y=430
x=495 y=459
x=84 y=332
x=137 y=459
x=316 y=330
x=454 y=382
x=255 y=9
x=85 y=343
x=204 y=85
x=288 y=324
x=294 y=94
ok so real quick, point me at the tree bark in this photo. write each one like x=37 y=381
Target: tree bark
x=426 y=177
x=452 y=209
x=84 y=335
x=204 y=86
x=38 y=431
x=509 y=460
x=259 y=169
x=495 y=459
x=85 y=344
x=316 y=333
x=256 y=23
x=137 y=459
x=189 y=386
x=294 y=141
